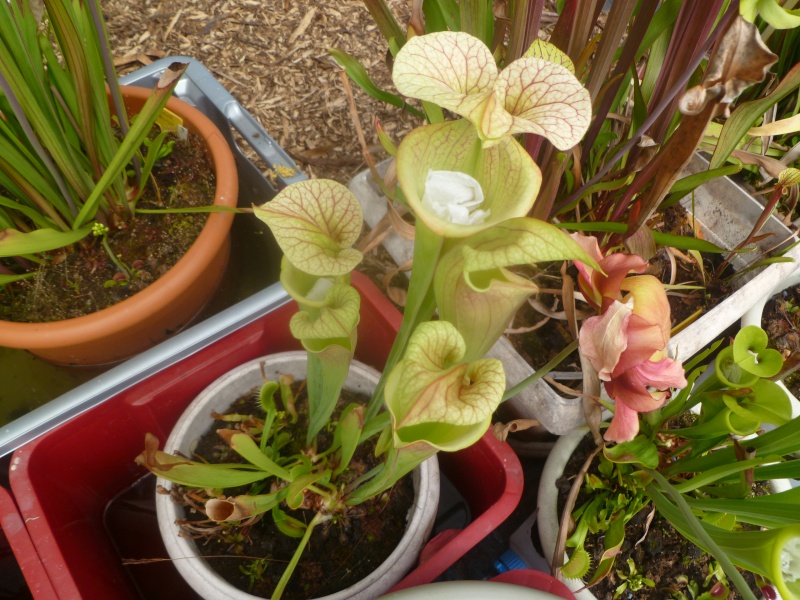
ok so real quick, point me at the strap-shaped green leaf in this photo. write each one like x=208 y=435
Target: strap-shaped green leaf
x=133 y=140
x=359 y=75
x=245 y=447
x=15 y=243
x=195 y=474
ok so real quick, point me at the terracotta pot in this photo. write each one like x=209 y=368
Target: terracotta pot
x=167 y=305
x=195 y=421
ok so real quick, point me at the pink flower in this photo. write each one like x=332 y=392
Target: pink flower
x=626 y=346
x=602 y=288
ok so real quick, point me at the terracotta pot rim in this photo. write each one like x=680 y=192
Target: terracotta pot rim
x=162 y=291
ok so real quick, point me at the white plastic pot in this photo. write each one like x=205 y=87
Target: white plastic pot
x=195 y=422
x=470 y=590
x=548 y=517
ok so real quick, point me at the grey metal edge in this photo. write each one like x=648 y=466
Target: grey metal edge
x=201 y=89
x=92 y=393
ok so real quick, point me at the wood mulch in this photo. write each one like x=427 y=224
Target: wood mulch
x=272 y=56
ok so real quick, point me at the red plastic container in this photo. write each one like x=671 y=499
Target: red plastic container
x=20 y=542
x=68 y=483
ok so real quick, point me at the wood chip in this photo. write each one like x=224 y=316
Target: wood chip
x=172 y=24
x=301 y=29
x=273 y=57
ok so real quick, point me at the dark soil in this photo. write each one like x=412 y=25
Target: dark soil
x=340 y=553
x=659 y=552
x=551 y=335
x=781 y=321
x=684 y=304
x=83 y=279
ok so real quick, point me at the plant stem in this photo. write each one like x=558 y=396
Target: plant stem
x=420 y=303
x=513 y=391
x=287 y=573
x=123 y=269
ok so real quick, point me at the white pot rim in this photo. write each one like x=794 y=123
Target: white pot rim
x=547 y=520
x=194 y=422
x=470 y=590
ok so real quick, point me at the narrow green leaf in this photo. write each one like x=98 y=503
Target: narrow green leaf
x=201 y=475
x=359 y=75
x=687 y=524
x=130 y=145
x=15 y=243
x=6 y=279
x=662 y=239
x=441 y=15
x=477 y=19
x=245 y=447
x=386 y=23
x=688 y=184
x=771 y=510
x=708 y=477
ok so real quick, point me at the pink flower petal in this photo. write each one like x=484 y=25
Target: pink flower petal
x=624 y=424
x=644 y=340
x=650 y=301
x=630 y=390
x=585 y=272
x=646 y=387
x=663 y=374
x=616 y=268
x=603 y=339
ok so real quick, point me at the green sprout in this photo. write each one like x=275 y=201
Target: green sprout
x=254 y=571
x=101 y=231
x=632 y=581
